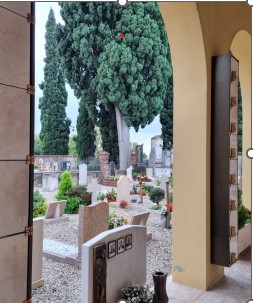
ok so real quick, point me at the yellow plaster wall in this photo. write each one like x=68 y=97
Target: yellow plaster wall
x=196 y=32
x=241 y=48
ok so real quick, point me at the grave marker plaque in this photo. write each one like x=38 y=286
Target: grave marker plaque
x=99 y=273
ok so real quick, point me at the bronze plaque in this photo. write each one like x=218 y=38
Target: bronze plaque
x=233 y=101
x=233 y=127
x=99 y=273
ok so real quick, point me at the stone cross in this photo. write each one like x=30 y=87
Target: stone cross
x=94 y=188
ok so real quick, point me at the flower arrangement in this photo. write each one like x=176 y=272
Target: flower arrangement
x=116 y=220
x=123 y=204
x=136 y=293
x=164 y=210
x=111 y=194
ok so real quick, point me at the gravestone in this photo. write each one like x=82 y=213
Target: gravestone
x=50 y=181
x=112 y=168
x=93 y=220
x=128 y=266
x=129 y=172
x=123 y=189
x=141 y=219
x=149 y=173
x=83 y=174
x=94 y=188
x=55 y=212
x=139 y=153
x=163 y=181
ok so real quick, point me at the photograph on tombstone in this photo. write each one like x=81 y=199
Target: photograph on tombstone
x=111 y=249
x=129 y=242
x=120 y=245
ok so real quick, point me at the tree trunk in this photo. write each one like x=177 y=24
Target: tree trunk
x=123 y=139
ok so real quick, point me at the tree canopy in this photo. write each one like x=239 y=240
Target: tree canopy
x=130 y=74
x=55 y=125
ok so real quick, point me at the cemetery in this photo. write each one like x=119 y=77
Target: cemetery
x=174 y=227
x=65 y=238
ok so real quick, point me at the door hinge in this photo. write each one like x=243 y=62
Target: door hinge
x=29 y=230
x=30 y=19
x=30 y=89
x=30 y=160
x=28 y=301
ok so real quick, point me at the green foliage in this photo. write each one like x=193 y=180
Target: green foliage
x=148 y=188
x=106 y=71
x=72 y=205
x=65 y=185
x=39 y=204
x=166 y=116
x=156 y=194
x=86 y=134
x=101 y=196
x=55 y=125
x=156 y=207
x=93 y=165
x=171 y=181
x=239 y=138
x=135 y=175
x=80 y=192
x=108 y=129
x=244 y=216
x=239 y=194
x=72 y=146
x=37 y=145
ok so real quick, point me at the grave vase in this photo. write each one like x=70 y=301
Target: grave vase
x=160 y=295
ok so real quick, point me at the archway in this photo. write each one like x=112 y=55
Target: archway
x=196 y=31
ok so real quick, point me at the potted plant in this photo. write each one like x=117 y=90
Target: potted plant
x=156 y=194
x=111 y=195
x=101 y=196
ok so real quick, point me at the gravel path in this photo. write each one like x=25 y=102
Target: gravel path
x=62 y=281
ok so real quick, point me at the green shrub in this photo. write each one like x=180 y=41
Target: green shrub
x=156 y=207
x=100 y=196
x=239 y=195
x=65 y=185
x=80 y=192
x=72 y=205
x=135 y=175
x=148 y=188
x=39 y=204
x=244 y=216
x=156 y=194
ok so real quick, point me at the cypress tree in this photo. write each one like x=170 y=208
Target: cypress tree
x=55 y=126
x=85 y=141
x=130 y=74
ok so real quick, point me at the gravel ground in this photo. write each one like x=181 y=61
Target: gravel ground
x=62 y=281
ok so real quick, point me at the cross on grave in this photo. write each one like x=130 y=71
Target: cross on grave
x=94 y=188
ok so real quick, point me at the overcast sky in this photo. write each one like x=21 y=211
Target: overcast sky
x=42 y=10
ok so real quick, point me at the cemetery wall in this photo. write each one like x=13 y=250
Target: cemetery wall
x=121 y=269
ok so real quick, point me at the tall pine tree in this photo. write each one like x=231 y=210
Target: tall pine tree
x=55 y=126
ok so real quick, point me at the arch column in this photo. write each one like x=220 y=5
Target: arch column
x=191 y=170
